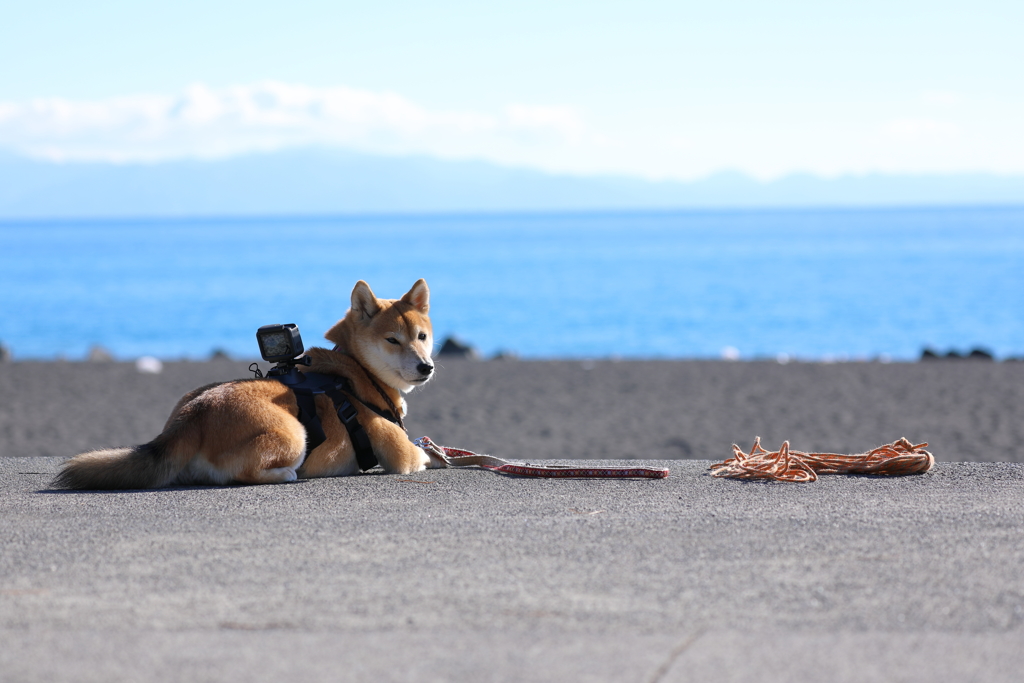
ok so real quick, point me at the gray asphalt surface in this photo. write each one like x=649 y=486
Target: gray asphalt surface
x=464 y=575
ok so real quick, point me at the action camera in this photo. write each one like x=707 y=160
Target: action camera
x=279 y=343
x=282 y=344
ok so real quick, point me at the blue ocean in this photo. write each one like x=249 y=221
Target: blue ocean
x=800 y=284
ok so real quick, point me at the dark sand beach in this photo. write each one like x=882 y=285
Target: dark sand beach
x=965 y=410
x=464 y=575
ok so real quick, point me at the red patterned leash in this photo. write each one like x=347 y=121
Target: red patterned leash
x=456 y=457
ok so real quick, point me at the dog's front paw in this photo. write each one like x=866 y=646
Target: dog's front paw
x=423 y=460
x=415 y=460
x=434 y=461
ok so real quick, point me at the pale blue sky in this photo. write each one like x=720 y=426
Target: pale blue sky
x=661 y=89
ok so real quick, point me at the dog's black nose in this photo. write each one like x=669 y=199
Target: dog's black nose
x=425 y=368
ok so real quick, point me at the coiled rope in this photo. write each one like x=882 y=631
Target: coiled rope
x=895 y=459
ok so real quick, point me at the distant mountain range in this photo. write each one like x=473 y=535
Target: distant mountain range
x=317 y=181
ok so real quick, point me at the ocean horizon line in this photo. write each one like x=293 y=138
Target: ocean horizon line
x=469 y=214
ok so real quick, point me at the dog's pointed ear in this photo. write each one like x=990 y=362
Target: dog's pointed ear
x=418 y=297
x=364 y=301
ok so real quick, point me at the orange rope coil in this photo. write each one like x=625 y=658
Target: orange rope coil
x=894 y=459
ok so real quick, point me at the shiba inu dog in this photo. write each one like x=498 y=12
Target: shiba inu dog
x=248 y=431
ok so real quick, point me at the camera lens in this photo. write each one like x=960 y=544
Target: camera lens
x=277 y=344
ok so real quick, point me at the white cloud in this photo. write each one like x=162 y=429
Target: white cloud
x=825 y=138
x=209 y=122
x=562 y=121
x=920 y=130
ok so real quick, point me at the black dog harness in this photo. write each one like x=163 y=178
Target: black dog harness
x=336 y=388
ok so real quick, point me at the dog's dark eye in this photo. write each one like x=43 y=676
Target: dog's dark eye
x=422 y=336
x=392 y=340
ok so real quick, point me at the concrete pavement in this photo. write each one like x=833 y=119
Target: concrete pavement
x=464 y=575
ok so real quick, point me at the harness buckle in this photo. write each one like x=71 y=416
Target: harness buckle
x=347 y=412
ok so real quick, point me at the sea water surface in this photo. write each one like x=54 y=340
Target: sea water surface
x=810 y=284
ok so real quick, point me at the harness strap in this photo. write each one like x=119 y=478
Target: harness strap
x=456 y=457
x=307 y=416
x=348 y=415
x=334 y=386
x=394 y=415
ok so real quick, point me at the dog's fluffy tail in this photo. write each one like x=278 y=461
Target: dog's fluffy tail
x=150 y=465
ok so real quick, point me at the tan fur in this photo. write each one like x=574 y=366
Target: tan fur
x=247 y=431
